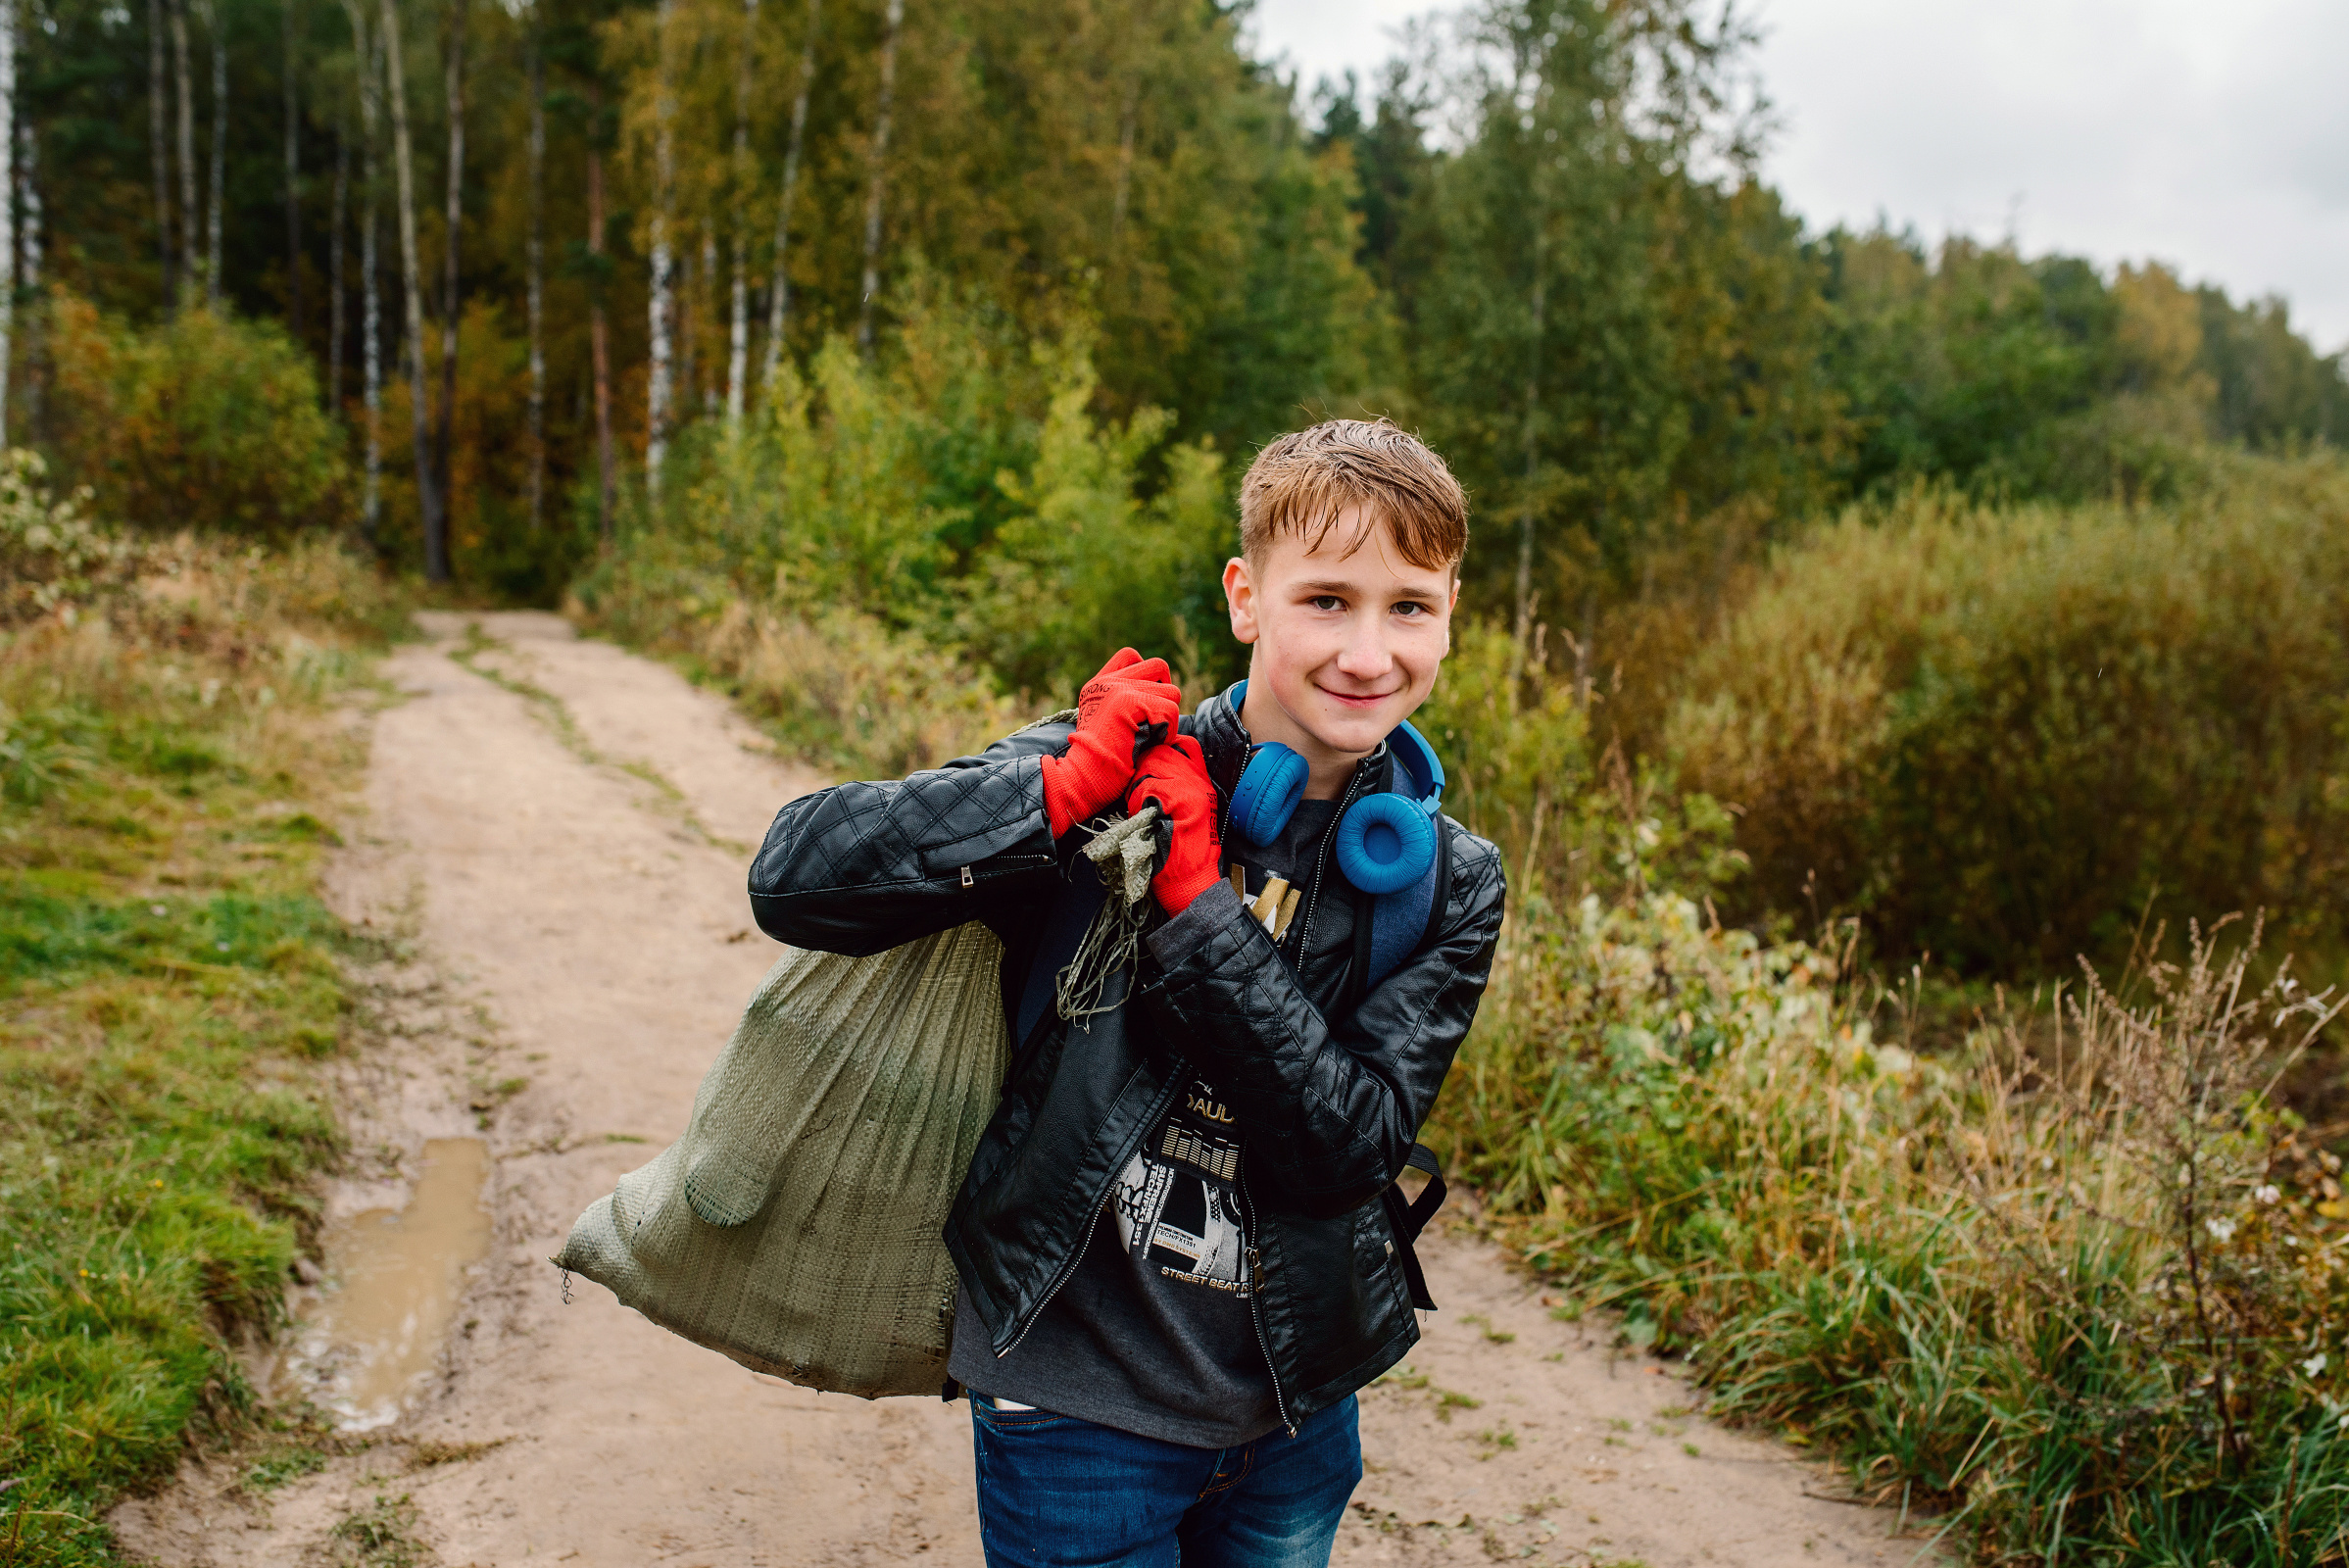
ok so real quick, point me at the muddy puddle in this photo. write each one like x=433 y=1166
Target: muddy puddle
x=373 y=1333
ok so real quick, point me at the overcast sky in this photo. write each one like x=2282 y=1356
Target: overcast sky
x=2213 y=136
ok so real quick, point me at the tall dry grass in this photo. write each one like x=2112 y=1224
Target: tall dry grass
x=2076 y=1294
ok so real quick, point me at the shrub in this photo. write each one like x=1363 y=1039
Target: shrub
x=205 y=421
x=2081 y=1291
x=2000 y=735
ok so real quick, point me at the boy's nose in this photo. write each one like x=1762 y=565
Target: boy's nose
x=1364 y=655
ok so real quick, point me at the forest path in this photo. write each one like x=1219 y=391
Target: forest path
x=566 y=827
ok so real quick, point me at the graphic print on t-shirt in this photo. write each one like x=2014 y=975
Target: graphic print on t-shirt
x=1177 y=1206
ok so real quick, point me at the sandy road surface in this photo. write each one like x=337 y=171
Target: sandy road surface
x=571 y=856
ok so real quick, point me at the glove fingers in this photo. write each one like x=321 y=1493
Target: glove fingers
x=1139 y=668
x=1123 y=658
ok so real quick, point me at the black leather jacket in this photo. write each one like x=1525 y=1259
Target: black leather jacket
x=1329 y=1097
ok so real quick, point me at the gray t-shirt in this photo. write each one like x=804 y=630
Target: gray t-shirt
x=1155 y=1332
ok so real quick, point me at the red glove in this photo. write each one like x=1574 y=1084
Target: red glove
x=1173 y=778
x=1123 y=710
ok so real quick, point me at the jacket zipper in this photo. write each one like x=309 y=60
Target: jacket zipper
x=1321 y=865
x=1255 y=1306
x=1093 y=1217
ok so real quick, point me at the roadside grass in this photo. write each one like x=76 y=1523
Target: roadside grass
x=168 y=979
x=2073 y=1294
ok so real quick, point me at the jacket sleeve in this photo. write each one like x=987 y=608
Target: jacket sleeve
x=858 y=868
x=1328 y=1112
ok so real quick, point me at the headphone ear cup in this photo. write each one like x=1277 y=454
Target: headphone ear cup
x=1269 y=788
x=1384 y=843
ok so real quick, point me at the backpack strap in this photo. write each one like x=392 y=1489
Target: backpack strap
x=1407 y=1219
x=1405 y=922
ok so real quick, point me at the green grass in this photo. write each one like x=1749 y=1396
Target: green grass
x=168 y=979
x=2070 y=1301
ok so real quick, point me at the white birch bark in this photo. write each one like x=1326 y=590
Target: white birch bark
x=436 y=564
x=660 y=307
x=738 y=314
x=535 y=267
x=779 y=294
x=876 y=193
x=220 y=153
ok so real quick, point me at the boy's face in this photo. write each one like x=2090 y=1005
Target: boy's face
x=1346 y=646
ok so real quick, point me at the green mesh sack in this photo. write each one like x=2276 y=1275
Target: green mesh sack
x=796 y=1226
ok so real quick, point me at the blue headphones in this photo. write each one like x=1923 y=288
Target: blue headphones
x=1386 y=841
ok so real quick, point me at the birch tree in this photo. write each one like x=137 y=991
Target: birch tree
x=876 y=191
x=778 y=295
x=428 y=501
x=738 y=314
x=659 y=307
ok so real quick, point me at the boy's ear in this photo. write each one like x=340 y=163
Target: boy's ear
x=1240 y=597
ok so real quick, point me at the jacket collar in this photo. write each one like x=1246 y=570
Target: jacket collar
x=1224 y=741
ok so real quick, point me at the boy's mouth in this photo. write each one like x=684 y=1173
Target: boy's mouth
x=1359 y=701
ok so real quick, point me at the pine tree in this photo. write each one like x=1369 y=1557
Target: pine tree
x=219 y=152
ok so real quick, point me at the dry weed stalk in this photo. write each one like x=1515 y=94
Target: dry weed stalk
x=2143 y=1190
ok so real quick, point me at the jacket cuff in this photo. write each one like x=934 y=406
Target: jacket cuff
x=1196 y=925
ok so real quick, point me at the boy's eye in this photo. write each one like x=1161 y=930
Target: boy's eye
x=1327 y=602
x=1410 y=606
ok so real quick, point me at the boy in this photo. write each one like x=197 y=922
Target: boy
x=1176 y=1266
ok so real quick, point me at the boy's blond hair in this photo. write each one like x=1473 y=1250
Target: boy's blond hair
x=1300 y=483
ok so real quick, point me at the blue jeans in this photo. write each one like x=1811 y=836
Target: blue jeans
x=1055 y=1489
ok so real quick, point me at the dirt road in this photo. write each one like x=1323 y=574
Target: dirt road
x=565 y=828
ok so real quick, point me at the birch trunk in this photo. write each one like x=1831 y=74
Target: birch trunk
x=159 y=139
x=738 y=314
x=452 y=296
x=779 y=294
x=371 y=289
x=293 y=180
x=437 y=534
x=220 y=153
x=188 y=139
x=534 y=258
x=597 y=336
x=8 y=239
x=876 y=193
x=659 y=307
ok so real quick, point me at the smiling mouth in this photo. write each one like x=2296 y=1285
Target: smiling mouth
x=1353 y=699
